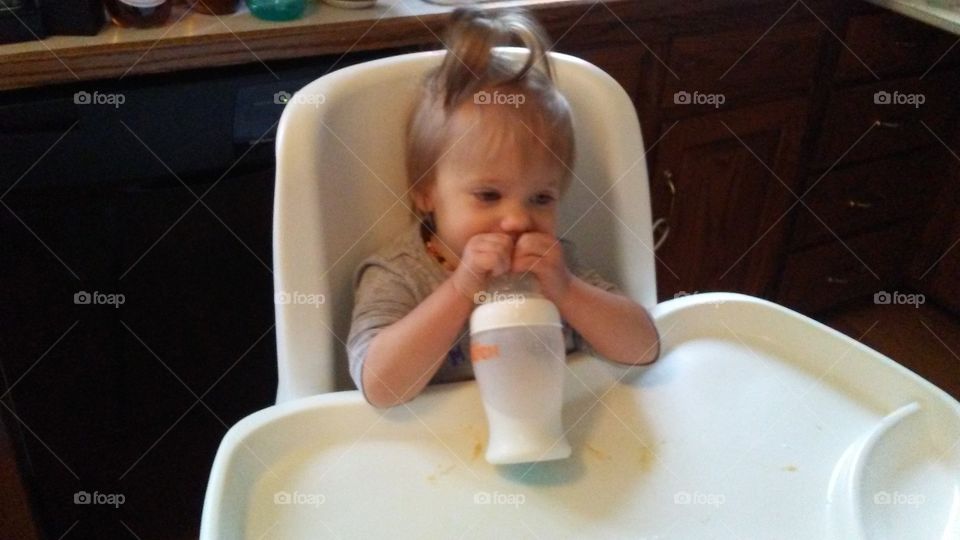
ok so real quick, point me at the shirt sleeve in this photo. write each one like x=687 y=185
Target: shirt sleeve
x=381 y=297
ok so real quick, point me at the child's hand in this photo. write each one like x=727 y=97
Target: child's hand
x=485 y=256
x=542 y=255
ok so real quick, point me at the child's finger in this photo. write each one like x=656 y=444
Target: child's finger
x=536 y=243
x=527 y=263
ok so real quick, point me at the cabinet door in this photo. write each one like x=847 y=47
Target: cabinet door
x=723 y=183
x=58 y=362
x=936 y=265
x=197 y=325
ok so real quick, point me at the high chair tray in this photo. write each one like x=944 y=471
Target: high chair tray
x=756 y=422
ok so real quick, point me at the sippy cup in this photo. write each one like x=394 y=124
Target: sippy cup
x=518 y=356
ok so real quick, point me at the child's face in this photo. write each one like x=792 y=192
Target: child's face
x=514 y=191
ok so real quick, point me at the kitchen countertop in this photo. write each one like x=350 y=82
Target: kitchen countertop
x=942 y=18
x=196 y=40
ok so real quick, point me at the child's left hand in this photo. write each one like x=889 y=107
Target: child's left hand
x=542 y=255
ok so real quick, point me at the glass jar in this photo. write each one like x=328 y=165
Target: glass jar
x=277 y=10
x=139 y=13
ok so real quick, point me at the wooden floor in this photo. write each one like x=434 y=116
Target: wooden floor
x=925 y=339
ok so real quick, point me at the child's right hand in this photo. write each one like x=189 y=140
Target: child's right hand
x=486 y=255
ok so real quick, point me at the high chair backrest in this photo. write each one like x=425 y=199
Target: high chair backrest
x=340 y=195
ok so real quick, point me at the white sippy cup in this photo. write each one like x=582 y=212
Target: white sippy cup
x=518 y=356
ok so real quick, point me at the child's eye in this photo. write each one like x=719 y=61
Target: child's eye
x=543 y=199
x=487 y=196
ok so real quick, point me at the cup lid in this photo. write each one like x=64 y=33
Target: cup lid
x=506 y=312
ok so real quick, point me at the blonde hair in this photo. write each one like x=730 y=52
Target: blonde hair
x=472 y=67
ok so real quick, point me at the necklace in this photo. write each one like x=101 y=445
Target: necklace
x=432 y=250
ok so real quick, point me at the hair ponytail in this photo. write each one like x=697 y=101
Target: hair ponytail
x=471 y=61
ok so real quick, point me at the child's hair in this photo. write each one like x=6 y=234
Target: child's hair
x=472 y=72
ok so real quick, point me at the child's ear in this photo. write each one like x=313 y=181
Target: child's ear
x=422 y=200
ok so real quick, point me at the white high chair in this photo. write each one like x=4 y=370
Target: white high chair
x=755 y=422
x=341 y=192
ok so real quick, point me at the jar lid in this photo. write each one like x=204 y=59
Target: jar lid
x=514 y=310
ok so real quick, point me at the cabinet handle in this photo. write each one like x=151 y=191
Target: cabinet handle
x=859 y=204
x=658 y=241
x=887 y=124
x=837 y=281
x=663 y=224
x=668 y=177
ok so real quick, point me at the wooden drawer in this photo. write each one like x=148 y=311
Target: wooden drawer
x=826 y=275
x=867 y=195
x=876 y=120
x=888 y=44
x=736 y=65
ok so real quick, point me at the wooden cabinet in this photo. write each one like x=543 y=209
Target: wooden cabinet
x=936 y=267
x=866 y=196
x=738 y=66
x=892 y=116
x=724 y=183
x=839 y=270
x=877 y=162
x=907 y=47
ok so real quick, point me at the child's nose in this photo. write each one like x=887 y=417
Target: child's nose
x=516 y=220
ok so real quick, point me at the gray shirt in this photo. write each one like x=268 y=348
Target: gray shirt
x=393 y=281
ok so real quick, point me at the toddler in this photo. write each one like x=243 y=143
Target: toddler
x=489 y=155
